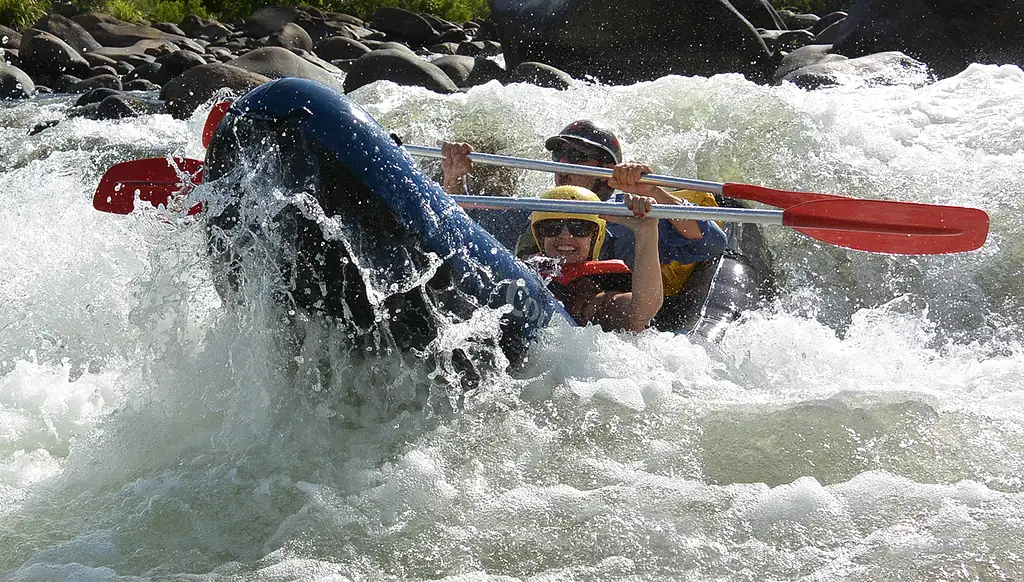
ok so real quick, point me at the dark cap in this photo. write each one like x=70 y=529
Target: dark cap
x=587 y=133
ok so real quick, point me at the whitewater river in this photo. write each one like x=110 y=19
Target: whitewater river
x=867 y=424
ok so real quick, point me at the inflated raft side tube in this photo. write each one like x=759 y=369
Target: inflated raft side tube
x=375 y=243
x=720 y=290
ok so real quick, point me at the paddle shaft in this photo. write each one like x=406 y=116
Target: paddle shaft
x=668 y=211
x=558 y=167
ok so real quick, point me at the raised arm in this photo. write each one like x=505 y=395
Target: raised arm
x=634 y=311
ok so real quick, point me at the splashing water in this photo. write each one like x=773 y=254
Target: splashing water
x=865 y=426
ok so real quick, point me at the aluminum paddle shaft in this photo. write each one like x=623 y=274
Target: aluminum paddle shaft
x=667 y=211
x=558 y=167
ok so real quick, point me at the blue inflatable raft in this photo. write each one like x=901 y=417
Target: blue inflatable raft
x=376 y=244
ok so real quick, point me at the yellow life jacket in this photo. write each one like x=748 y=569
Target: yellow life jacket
x=675 y=274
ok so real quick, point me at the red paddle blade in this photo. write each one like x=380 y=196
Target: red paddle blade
x=881 y=226
x=772 y=197
x=153 y=180
x=216 y=114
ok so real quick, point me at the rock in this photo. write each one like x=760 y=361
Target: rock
x=830 y=34
x=408 y=26
x=220 y=53
x=169 y=28
x=540 y=75
x=105 y=81
x=111 y=32
x=803 y=57
x=43 y=53
x=291 y=36
x=276 y=63
x=120 y=107
x=827 y=21
x=791 y=40
x=444 y=48
x=200 y=84
x=202 y=28
x=180 y=61
x=140 y=85
x=583 y=37
x=890 y=68
x=795 y=21
x=479 y=48
x=455 y=35
x=156 y=73
x=15 y=83
x=68 y=31
x=102 y=70
x=98 y=60
x=399 y=67
x=339 y=47
x=9 y=38
x=269 y=19
x=95 y=96
x=946 y=35
x=142 y=49
x=469 y=71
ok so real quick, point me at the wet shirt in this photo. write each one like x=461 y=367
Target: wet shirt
x=619 y=243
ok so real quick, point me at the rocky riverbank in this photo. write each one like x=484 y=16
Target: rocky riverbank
x=547 y=44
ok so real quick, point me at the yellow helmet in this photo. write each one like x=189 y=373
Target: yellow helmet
x=571 y=193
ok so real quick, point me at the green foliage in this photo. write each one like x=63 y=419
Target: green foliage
x=20 y=14
x=819 y=7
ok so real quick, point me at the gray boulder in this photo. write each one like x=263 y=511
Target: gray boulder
x=45 y=54
x=947 y=35
x=104 y=81
x=340 y=47
x=804 y=57
x=15 y=83
x=469 y=71
x=540 y=75
x=111 y=32
x=404 y=25
x=203 y=28
x=889 y=68
x=291 y=36
x=9 y=38
x=585 y=37
x=198 y=85
x=276 y=63
x=399 y=67
x=68 y=31
x=794 y=21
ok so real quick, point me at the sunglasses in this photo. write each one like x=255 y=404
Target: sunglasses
x=572 y=156
x=576 y=227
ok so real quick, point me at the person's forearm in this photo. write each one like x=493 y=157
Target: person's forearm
x=453 y=182
x=648 y=292
x=688 y=228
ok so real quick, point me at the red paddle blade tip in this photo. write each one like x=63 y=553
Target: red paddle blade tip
x=154 y=180
x=213 y=120
x=882 y=226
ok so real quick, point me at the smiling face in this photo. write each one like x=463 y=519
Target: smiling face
x=569 y=240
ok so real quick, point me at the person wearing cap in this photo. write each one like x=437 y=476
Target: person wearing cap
x=682 y=243
x=588 y=294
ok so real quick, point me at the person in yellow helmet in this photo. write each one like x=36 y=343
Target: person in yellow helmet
x=683 y=243
x=576 y=240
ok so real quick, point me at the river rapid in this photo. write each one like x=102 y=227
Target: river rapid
x=866 y=424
